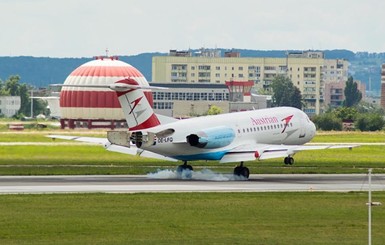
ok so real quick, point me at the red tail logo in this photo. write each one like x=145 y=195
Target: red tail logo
x=135 y=102
x=286 y=121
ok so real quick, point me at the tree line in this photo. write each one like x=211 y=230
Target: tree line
x=361 y=115
x=13 y=87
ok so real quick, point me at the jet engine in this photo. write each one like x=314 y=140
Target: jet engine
x=212 y=137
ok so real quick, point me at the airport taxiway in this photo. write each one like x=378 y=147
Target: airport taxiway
x=219 y=183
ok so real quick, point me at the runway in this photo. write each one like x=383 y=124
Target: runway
x=148 y=184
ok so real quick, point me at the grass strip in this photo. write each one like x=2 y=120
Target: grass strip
x=190 y=218
x=90 y=159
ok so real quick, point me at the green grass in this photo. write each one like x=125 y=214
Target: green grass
x=190 y=218
x=349 y=137
x=186 y=218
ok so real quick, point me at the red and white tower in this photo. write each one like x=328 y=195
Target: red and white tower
x=92 y=107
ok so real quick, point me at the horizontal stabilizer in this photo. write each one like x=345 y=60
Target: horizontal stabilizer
x=115 y=86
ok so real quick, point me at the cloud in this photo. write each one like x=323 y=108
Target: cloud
x=86 y=28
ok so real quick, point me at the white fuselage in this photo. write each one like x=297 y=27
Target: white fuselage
x=274 y=126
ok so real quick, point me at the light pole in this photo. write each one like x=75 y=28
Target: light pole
x=31 y=103
x=370 y=204
x=370 y=208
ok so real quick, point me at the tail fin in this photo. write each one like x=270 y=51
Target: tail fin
x=137 y=106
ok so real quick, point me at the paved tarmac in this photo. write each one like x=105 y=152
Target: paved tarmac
x=201 y=182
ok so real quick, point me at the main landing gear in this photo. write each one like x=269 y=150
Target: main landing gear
x=242 y=171
x=288 y=160
x=184 y=171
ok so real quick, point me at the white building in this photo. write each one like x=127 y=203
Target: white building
x=9 y=105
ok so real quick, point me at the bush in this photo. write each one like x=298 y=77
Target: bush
x=370 y=122
x=327 y=122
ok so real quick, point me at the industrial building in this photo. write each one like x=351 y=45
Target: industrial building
x=183 y=100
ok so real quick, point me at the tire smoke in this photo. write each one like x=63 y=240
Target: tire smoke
x=205 y=174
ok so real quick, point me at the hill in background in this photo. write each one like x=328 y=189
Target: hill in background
x=42 y=71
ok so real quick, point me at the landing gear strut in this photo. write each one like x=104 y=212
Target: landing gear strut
x=288 y=160
x=242 y=171
x=184 y=171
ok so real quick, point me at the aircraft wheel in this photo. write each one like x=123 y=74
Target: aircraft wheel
x=245 y=172
x=184 y=167
x=288 y=160
x=242 y=171
x=184 y=171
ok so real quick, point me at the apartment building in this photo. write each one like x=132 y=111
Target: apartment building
x=335 y=70
x=335 y=74
x=335 y=92
x=304 y=69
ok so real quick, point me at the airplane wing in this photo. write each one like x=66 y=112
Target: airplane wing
x=252 y=152
x=132 y=150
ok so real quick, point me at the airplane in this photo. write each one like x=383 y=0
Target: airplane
x=231 y=137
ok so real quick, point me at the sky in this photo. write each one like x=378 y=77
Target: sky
x=86 y=28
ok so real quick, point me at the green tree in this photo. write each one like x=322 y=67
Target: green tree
x=25 y=107
x=370 y=122
x=352 y=95
x=264 y=91
x=285 y=93
x=13 y=87
x=365 y=107
x=214 y=110
x=328 y=121
x=3 y=90
x=346 y=113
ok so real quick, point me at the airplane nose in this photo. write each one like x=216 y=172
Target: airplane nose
x=312 y=129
